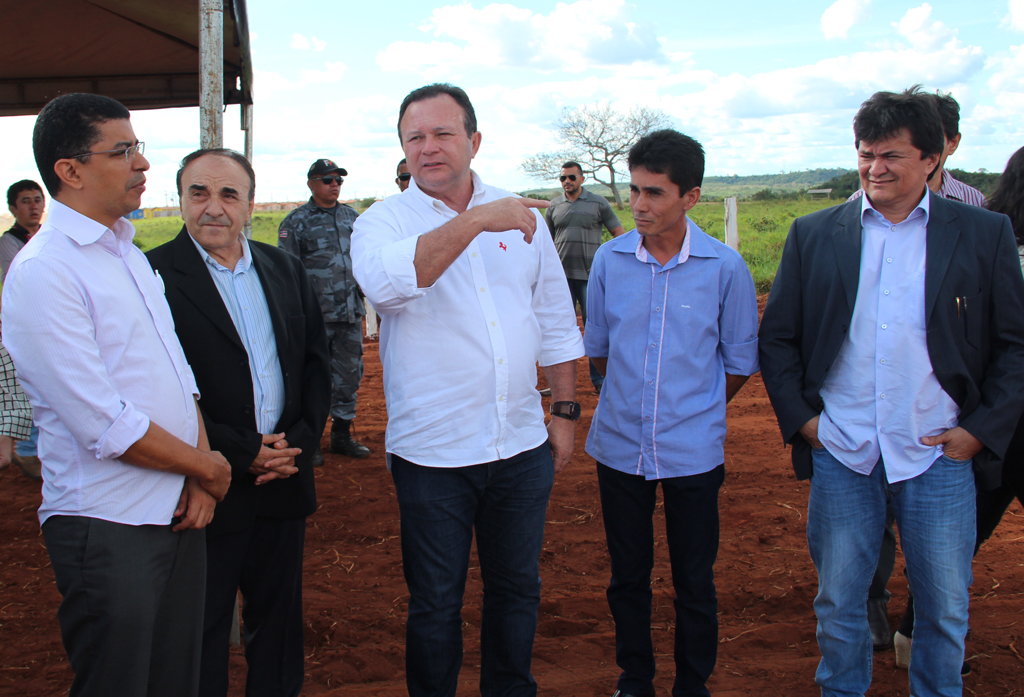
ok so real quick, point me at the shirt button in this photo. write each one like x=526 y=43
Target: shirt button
x=481 y=289
x=501 y=399
x=650 y=382
x=885 y=326
x=657 y=309
x=494 y=324
x=647 y=418
x=474 y=253
x=889 y=260
x=886 y=292
x=648 y=451
x=500 y=361
x=654 y=344
x=893 y=228
x=882 y=396
x=882 y=361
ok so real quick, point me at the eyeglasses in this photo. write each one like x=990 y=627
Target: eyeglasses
x=129 y=152
x=328 y=180
x=570 y=177
x=404 y=177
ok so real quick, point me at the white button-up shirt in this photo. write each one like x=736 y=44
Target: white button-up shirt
x=93 y=340
x=881 y=395
x=460 y=357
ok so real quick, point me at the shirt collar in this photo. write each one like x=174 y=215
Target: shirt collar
x=696 y=244
x=321 y=208
x=84 y=230
x=950 y=187
x=241 y=267
x=924 y=205
x=479 y=190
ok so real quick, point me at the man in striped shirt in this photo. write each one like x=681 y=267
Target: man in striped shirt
x=942 y=182
x=250 y=324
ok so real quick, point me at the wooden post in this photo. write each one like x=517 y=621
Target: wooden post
x=211 y=73
x=247 y=127
x=732 y=229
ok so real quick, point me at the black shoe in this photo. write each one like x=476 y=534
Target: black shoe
x=878 y=621
x=965 y=669
x=318 y=457
x=620 y=693
x=342 y=442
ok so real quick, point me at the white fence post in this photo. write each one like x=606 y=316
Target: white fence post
x=732 y=229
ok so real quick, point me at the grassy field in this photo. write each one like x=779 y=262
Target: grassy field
x=762 y=225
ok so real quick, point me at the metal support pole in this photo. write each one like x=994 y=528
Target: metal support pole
x=211 y=73
x=246 y=110
x=732 y=230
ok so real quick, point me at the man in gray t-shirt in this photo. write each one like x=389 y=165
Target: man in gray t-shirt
x=575 y=218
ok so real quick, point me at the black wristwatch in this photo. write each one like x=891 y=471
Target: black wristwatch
x=566 y=410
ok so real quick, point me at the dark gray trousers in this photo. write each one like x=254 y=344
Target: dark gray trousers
x=132 y=612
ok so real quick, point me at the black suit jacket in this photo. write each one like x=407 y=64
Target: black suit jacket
x=221 y=367
x=977 y=354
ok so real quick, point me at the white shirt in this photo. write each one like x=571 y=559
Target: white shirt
x=460 y=357
x=881 y=395
x=91 y=334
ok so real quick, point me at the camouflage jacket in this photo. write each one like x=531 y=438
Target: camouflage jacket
x=322 y=239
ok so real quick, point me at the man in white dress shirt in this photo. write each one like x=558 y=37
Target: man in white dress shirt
x=472 y=297
x=128 y=479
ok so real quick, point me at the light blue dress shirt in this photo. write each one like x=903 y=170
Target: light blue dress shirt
x=670 y=335
x=881 y=395
x=243 y=297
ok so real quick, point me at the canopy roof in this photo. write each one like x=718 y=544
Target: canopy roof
x=143 y=53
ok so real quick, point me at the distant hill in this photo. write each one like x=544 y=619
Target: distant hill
x=720 y=187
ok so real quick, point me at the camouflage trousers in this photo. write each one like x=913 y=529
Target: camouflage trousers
x=345 y=342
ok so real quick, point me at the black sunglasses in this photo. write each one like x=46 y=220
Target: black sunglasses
x=328 y=180
x=404 y=177
x=570 y=177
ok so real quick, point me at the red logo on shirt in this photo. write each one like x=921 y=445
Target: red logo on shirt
x=503 y=247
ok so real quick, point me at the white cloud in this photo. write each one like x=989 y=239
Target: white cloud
x=841 y=15
x=922 y=31
x=268 y=82
x=1015 y=20
x=573 y=37
x=318 y=44
x=300 y=42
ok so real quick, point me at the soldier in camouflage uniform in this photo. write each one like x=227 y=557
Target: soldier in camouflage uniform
x=319 y=233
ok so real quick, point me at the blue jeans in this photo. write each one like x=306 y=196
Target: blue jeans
x=935 y=514
x=691 y=524
x=27 y=448
x=506 y=502
x=578 y=292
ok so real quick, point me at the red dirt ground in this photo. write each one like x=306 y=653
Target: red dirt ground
x=355 y=596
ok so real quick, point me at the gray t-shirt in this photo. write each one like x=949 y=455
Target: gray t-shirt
x=576 y=229
x=11 y=243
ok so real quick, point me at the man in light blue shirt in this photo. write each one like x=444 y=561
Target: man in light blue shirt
x=892 y=349
x=673 y=327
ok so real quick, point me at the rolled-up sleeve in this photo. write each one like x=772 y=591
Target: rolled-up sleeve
x=737 y=323
x=552 y=304
x=383 y=261
x=58 y=358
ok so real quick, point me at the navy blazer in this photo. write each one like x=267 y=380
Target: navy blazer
x=221 y=367
x=977 y=355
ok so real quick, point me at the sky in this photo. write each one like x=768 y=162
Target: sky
x=765 y=87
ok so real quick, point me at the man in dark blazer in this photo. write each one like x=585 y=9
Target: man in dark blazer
x=252 y=330
x=892 y=348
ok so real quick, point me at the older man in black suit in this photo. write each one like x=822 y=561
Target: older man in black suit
x=892 y=348
x=251 y=328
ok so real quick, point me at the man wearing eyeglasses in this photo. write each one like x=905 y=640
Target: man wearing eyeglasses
x=128 y=479
x=319 y=233
x=575 y=219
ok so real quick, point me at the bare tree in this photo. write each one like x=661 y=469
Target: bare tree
x=599 y=138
